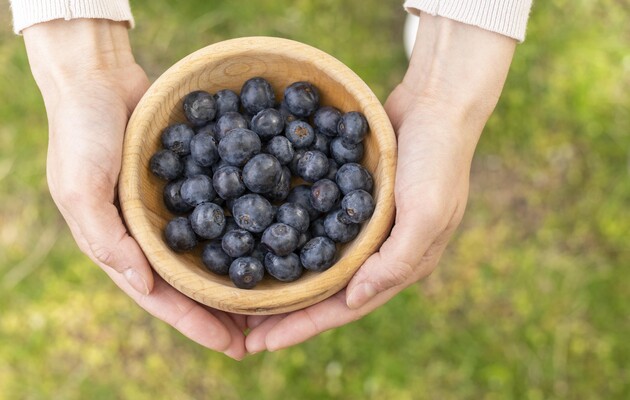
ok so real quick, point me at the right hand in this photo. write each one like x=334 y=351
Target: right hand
x=91 y=84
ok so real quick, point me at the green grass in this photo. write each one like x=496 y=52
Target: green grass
x=530 y=300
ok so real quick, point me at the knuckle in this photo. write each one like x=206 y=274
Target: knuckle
x=396 y=274
x=103 y=255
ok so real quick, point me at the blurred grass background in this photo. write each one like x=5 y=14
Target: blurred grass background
x=531 y=300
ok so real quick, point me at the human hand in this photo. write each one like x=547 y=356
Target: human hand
x=91 y=84
x=438 y=112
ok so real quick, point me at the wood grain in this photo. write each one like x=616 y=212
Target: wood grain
x=227 y=65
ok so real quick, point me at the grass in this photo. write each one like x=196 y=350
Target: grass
x=530 y=300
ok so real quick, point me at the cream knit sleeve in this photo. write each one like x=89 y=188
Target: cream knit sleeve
x=31 y=12
x=507 y=17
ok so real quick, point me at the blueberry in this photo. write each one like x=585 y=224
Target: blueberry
x=209 y=128
x=358 y=206
x=228 y=182
x=313 y=166
x=173 y=198
x=239 y=146
x=252 y=212
x=281 y=148
x=215 y=259
x=301 y=98
x=293 y=215
x=166 y=165
x=262 y=173
x=268 y=123
x=337 y=230
x=333 y=167
x=177 y=137
x=228 y=121
x=197 y=189
x=317 y=228
x=304 y=237
x=227 y=101
x=191 y=168
x=259 y=252
x=296 y=158
x=324 y=195
x=218 y=165
x=286 y=114
x=318 y=254
x=300 y=134
x=200 y=107
x=180 y=235
x=256 y=95
x=301 y=195
x=281 y=239
x=321 y=143
x=237 y=243
x=352 y=127
x=208 y=220
x=344 y=153
x=246 y=272
x=230 y=224
x=326 y=120
x=282 y=188
x=203 y=149
x=353 y=176
x=284 y=269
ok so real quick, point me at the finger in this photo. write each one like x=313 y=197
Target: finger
x=103 y=237
x=254 y=320
x=255 y=340
x=236 y=350
x=187 y=316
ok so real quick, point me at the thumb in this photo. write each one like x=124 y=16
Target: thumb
x=104 y=238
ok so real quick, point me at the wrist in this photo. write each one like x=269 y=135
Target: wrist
x=65 y=52
x=458 y=67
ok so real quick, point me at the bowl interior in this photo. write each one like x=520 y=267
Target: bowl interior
x=228 y=65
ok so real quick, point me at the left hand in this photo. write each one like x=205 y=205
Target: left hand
x=438 y=112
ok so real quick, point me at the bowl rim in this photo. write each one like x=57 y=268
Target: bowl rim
x=298 y=294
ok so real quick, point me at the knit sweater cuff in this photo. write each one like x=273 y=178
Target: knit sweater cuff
x=31 y=12
x=507 y=17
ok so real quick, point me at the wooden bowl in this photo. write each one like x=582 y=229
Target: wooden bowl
x=227 y=65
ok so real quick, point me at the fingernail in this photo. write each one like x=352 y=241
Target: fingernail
x=361 y=295
x=136 y=281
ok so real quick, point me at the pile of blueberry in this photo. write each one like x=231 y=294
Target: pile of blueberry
x=267 y=187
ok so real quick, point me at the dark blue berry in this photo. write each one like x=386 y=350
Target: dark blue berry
x=301 y=98
x=337 y=230
x=281 y=148
x=259 y=252
x=209 y=128
x=318 y=254
x=326 y=120
x=321 y=143
x=344 y=153
x=293 y=215
x=246 y=272
x=215 y=259
x=252 y=212
x=200 y=107
x=166 y=165
x=237 y=243
x=177 y=137
x=180 y=235
x=239 y=146
x=317 y=228
x=282 y=188
x=208 y=220
x=268 y=123
x=352 y=127
x=296 y=158
x=358 y=206
x=333 y=167
x=219 y=164
x=197 y=189
x=300 y=134
x=301 y=194
x=230 y=224
x=304 y=237
x=281 y=239
x=353 y=176
x=284 y=269
x=286 y=114
x=191 y=168
x=324 y=195
x=262 y=173
x=256 y=95
x=227 y=101
x=203 y=149
x=228 y=121
x=313 y=166
x=173 y=198
x=228 y=182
